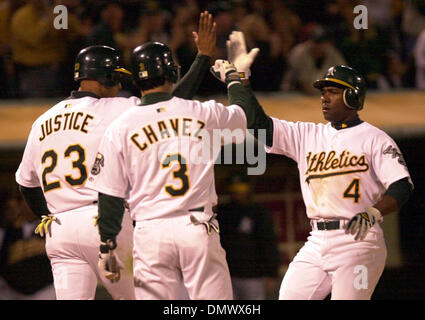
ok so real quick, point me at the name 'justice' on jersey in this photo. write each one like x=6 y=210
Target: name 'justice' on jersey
x=154 y=156
x=341 y=171
x=62 y=146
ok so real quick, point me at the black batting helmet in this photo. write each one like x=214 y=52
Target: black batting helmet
x=100 y=63
x=153 y=61
x=351 y=80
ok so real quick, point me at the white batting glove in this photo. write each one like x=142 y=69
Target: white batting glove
x=43 y=226
x=109 y=264
x=361 y=223
x=226 y=72
x=238 y=55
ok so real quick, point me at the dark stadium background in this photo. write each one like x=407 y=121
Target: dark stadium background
x=389 y=55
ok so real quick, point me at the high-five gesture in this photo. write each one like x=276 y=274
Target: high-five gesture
x=205 y=38
x=238 y=55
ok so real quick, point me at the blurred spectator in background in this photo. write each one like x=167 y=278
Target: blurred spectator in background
x=222 y=15
x=181 y=43
x=110 y=25
x=7 y=9
x=413 y=22
x=379 y=12
x=419 y=54
x=393 y=76
x=381 y=15
x=286 y=25
x=152 y=25
x=366 y=50
x=308 y=61
x=239 y=11
x=268 y=67
x=335 y=20
x=250 y=242
x=25 y=272
x=38 y=49
x=31 y=50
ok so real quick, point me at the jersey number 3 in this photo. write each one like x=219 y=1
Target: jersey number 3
x=177 y=174
x=77 y=164
x=353 y=190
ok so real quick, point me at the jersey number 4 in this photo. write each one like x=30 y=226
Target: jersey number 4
x=353 y=190
x=77 y=164
x=177 y=174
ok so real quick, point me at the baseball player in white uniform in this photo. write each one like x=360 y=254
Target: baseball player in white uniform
x=148 y=158
x=351 y=175
x=61 y=144
x=55 y=166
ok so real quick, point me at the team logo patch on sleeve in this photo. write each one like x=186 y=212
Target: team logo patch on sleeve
x=395 y=154
x=99 y=162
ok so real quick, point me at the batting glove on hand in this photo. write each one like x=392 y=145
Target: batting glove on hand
x=43 y=226
x=109 y=264
x=238 y=55
x=361 y=223
x=226 y=72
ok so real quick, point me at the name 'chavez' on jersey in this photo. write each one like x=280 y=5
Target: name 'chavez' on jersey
x=170 y=198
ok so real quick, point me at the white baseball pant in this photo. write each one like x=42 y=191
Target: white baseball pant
x=333 y=262
x=73 y=250
x=169 y=252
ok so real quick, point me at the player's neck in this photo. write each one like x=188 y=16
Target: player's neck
x=348 y=122
x=167 y=88
x=90 y=86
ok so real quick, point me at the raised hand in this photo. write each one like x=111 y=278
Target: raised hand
x=205 y=38
x=238 y=55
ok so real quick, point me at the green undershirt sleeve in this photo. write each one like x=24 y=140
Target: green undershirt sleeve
x=35 y=199
x=261 y=119
x=111 y=210
x=189 y=85
x=400 y=190
x=240 y=96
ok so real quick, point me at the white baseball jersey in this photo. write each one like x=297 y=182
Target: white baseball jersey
x=160 y=157
x=61 y=147
x=342 y=172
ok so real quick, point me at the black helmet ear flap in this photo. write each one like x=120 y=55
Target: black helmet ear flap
x=351 y=99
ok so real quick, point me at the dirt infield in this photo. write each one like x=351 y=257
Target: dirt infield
x=398 y=112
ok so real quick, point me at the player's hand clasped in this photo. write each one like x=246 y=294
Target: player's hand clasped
x=226 y=72
x=43 y=226
x=109 y=264
x=238 y=55
x=361 y=223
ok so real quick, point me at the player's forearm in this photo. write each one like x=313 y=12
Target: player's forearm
x=240 y=96
x=386 y=205
x=396 y=196
x=262 y=120
x=35 y=199
x=189 y=85
x=111 y=210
